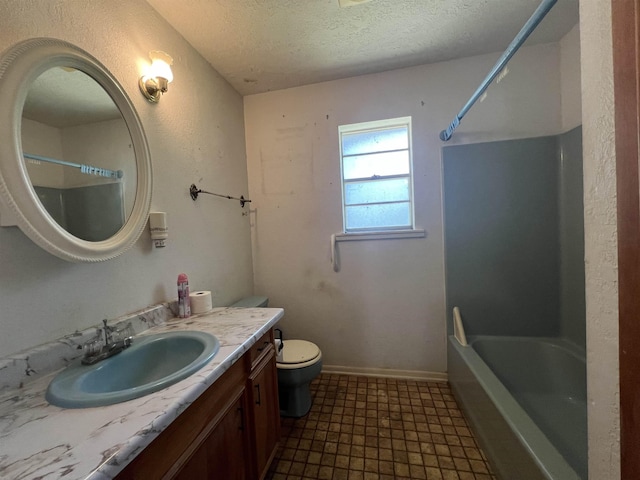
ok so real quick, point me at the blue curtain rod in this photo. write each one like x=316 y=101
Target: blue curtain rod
x=88 y=169
x=513 y=47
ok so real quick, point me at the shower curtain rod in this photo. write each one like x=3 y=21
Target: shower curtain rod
x=88 y=169
x=513 y=47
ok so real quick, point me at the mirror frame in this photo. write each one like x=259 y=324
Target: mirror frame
x=20 y=65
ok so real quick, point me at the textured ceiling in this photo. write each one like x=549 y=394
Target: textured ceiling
x=65 y=97
x=262 y=45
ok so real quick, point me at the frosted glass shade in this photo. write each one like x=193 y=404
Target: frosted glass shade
x=161 y=66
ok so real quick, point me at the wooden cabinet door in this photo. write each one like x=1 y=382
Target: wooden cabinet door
x=227 y=448
x=195 y=468
x=224 y=453
x=263 y=383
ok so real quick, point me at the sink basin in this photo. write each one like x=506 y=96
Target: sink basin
x=151 y=363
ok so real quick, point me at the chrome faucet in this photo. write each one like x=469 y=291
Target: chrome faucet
x=109 y=341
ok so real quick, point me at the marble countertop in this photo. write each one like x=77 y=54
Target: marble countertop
x=38 y=440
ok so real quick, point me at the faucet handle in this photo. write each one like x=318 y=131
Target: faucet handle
x=120 y=339
x=92 y=347
x=122 y=333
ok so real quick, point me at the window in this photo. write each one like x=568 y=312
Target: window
x=377 y=185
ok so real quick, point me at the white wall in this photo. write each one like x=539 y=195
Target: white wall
x=601 y=253
x=195 y=135
x=41 y=139
x=385 y=308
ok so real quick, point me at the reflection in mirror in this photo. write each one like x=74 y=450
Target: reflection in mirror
x=72 y=130
x=78 y=154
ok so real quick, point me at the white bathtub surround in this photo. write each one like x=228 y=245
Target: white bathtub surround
x=42 y=441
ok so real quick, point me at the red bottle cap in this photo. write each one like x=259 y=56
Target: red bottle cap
x=182 y=278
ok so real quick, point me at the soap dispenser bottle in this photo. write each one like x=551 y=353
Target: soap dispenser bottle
x=184 y=303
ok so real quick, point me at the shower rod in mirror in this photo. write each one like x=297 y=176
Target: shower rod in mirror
x=87 y=169
x=194 y=191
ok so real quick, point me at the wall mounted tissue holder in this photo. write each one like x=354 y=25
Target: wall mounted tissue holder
x=194 y=191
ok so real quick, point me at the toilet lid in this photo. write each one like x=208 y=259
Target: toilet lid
x=298 y=351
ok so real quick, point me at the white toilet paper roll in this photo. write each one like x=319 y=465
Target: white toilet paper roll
x=200 y=301
x=279 y=348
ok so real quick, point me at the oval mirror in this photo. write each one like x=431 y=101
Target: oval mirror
x=75 y=172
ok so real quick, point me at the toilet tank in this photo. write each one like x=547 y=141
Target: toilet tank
x=252 y=302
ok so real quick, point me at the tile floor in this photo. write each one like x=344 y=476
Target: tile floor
x=369 y=428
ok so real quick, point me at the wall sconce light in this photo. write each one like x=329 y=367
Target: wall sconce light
x=158 y=77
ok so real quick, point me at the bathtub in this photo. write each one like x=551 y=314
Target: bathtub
x=525 y=398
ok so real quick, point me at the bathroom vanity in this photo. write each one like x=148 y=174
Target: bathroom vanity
x=222 y=421
x=231 y=431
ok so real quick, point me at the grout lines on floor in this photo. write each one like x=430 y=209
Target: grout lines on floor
x=366 y=428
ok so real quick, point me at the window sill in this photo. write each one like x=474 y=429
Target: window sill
x=381 y=235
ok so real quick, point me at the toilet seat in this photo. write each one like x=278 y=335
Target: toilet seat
x=298 y=354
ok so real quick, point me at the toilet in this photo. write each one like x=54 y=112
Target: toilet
x=298 y=363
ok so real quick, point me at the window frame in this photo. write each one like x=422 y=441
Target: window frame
x=378 y=231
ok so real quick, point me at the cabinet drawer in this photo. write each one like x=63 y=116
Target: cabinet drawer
x=260 y=349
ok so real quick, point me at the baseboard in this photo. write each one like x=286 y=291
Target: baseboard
x=386 y=373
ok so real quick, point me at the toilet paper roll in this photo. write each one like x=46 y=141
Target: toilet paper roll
x=279 y=348
x=200 y=301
